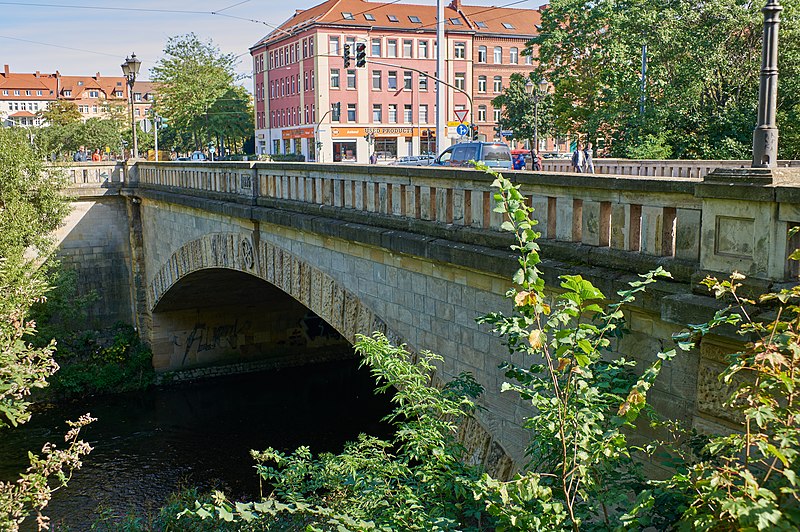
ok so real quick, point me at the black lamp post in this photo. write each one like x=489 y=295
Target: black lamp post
x=130 y=68
x=536 y=91
x=765 y=135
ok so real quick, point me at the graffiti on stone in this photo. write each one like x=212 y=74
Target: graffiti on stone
x=204 y=338
x=315 y=327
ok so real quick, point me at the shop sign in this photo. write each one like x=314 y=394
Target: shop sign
x=301 y=133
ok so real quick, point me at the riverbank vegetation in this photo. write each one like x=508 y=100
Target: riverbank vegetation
x=31 y=207
x=582 y=472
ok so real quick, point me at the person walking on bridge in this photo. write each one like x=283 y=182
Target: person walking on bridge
x=578 y=158
x=588 y=165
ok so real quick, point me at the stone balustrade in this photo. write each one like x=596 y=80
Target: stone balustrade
x=721 y=223
x=657 y=168
x=93 y=175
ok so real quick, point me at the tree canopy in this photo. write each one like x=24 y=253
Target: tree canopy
x=198 y=95
x=703 y=64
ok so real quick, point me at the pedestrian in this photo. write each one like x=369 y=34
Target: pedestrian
x=373 y=159
x=588 y=165
x=518 y=162
x=537 y=162
x=80 y=155
x=96 y=157
x=578 y=158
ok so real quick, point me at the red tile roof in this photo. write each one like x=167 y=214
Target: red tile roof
x=333 y=13
x=22 y=114
x=18 y=81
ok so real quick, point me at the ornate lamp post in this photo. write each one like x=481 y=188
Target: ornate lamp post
x=765 y=135
x=130 y=68
x=536 y=91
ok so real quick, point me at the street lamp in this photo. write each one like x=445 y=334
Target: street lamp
x=765 y=135
x=536 y=91
x=130 y=68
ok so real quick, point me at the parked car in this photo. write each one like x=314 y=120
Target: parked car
x=493 y=154
x=414 y=160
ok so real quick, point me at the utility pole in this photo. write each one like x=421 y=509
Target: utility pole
x=441 y=50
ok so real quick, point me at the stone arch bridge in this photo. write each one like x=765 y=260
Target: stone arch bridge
x=228 y=264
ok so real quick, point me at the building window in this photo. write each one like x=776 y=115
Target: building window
x=481 y=54
x=456 y=22
x=311 y=46
x=391 y=48
x=497 y=115
x=498 y=55
x=351 y=79
x=377 y=111
x=392 y=113
x=513 y=55
x=376 y=80
x=422 y=49
x=369 y=16
x=408 y=48
x=5 y=92
x=376 y=48
x=334 y=78
x=305 y=48
x=498 y=84
x=481 y=113
x=351 y=112
x=460 y=80
x=481 y=25
x=415 y=19
x=481 y=83
x=333 y=46
x=392 y=18
x=460 y=50
x=423 y=114
x=528 y=59
x=392 y=80
x=306 y=115
x=16 y=93
x=408 y=115
x=336 y=112
x=347 y=16
x=407 y=80
x=305 y=81
x=508 y=25
x=423 y=82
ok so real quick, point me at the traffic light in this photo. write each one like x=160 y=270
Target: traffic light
x=361 y=55
x=347 y=56
x=473 y=132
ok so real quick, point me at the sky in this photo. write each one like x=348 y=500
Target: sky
x=89 y=36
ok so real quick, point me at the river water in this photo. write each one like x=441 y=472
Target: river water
x=150 y=444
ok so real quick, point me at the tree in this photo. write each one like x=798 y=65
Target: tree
x=191 y=79
x=31 y=206
x=230 y=118
x=703 y=63
x=60 y=113
x=519 y=110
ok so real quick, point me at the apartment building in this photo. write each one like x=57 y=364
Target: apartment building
x=96 y=96
x=307 y=101
x=23 y=95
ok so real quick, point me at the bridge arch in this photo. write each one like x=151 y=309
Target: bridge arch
x=241 y=258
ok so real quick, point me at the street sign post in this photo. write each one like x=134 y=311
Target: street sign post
x=462 y=130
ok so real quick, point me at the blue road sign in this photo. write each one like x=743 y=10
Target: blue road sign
x=462 y=130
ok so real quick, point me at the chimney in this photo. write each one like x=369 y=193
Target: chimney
x=38 y=74
x=455 y=5
x=5 y=69
x=97 y=76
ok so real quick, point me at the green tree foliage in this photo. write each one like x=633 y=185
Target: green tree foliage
x=519 y=112
x=197 y=91
x=93 y=134
x=703 y=64
x=60 y=113
x=31 y=206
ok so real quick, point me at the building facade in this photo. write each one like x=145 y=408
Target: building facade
x=307 y=101
x=23 y=95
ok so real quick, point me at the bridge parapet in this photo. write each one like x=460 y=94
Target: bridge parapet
x=655 y=167
x=730 y=220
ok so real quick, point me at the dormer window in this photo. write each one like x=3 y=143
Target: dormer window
x=347 y=16
x=415 y=19
x=392 y=18
x=508 y=25
x=67 y=93
x=119 y=84
x=94 y=94
x=137 y=96
x=80 y=83
x=369 y=16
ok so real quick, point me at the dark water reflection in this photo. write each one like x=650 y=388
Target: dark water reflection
x=150 y=444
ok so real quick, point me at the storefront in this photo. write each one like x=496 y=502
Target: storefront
x=345 y=151
x=300 y=141
x=356 y=144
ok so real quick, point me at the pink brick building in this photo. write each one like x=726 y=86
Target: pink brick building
x=307 y=101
